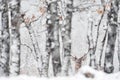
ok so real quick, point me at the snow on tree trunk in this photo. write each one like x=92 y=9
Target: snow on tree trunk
x=66 y=37
x=14 y=7
x=4 y=39
x=112 y=29
x=52 y=44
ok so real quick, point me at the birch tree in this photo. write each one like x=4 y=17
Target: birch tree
x=119 y=46
x=35 y=45
x=66 y=37
x=112 y=29
x=14 y=25
x=91 y=43
x=118 y=38
x=52 y=44
x=4 y=39
x=0 y=29
x=100 y=40
x=42 y=59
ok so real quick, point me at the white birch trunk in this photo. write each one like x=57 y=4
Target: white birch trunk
x=66 y=37
x=0 y=32
x=14 y=7
x=52 y=44
x=118 y=37
x=112 y=30
x=100 y=41
x=91 y=44
x=4 y=39
x=119 y=46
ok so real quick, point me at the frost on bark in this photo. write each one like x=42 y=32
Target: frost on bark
x=14 y=8
x=112 y=29
x=4 y=39
x=66 y=37
x=52 y=44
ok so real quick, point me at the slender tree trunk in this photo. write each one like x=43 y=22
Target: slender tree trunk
x=118 y=37
x=112 y=30
x=52 y=44
x=99 y=53
x=45 y=64
x=91 y=44
x=0 y=31
x=4 y=40
x=119 y=46
x=42 y=59
x=66 y=38
x=14 y=7
x=100 y=41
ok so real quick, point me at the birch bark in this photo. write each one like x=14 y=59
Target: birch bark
x=4 y=39
x=14 y=8
x=66 y=37
x=52 y=44
x=112 y=30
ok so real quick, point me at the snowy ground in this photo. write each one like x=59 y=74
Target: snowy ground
x=85 y=73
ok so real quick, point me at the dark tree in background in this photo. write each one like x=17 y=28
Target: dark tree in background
x=112 y=31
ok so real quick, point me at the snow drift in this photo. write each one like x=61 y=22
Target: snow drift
x=85 y=73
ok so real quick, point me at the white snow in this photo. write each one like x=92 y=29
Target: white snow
x=81 y=75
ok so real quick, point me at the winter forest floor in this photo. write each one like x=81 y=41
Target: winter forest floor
x=85 y=73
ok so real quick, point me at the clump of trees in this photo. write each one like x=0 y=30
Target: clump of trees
x=58 y=45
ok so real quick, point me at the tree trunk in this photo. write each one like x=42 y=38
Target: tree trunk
x=119 y=46
x=118 y=37
x=112 y=30
x=1 y=29
x=4 y=40
x=52 y=44
x=91 y=44
x=14 y=7
x=66 y=37
x=100 y=41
